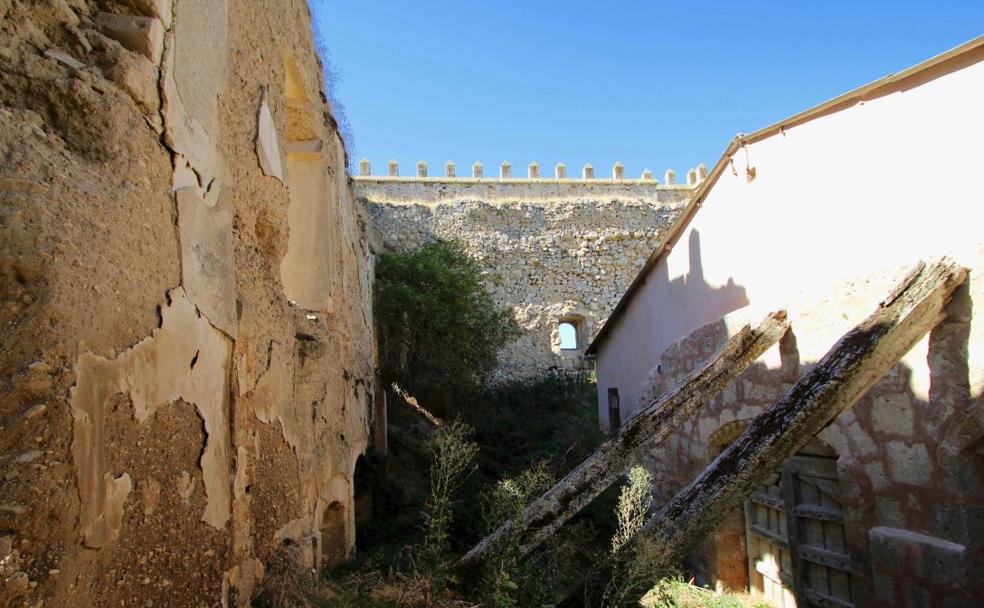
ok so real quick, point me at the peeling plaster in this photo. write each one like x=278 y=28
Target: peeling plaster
x=207 y=255
x=157 y=371
x=184 y=134
x=268 y=143
x=193 y=76
x=241 y=481
x=273 y=389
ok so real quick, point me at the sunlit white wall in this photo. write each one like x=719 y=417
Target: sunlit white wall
x=869 y=188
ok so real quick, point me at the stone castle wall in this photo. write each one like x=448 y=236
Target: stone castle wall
x=186 y=364
x=555 y=249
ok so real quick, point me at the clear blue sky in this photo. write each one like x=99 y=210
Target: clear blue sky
x=652 y=84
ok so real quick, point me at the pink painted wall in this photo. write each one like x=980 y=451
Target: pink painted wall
x=873 y=187
x=839 y=209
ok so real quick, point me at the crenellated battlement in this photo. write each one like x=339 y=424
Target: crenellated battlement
x=424 y=188
x=694 y=176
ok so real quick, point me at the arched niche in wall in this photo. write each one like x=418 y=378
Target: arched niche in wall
x=308 y=269
x=334 y=542
x=728 y=550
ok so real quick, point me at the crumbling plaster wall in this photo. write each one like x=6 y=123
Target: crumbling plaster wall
x=554 y=249
x=170 y=416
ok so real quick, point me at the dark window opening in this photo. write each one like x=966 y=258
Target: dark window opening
x=614 y=411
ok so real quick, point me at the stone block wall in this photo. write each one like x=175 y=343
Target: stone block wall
x=911 y=474
x=555 y=249
x=176 y=406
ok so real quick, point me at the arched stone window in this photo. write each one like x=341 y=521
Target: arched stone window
x=571 y=333
x=568 y=335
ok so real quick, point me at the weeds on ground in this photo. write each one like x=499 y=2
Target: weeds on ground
x=287 y=586
x=510 y=578
x=634 y=504
x=639 y=561
x=677 y=593
x=452 y=452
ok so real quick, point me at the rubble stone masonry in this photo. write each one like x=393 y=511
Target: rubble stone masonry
x=555 y=249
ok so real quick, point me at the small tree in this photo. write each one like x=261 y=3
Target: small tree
x=634 y=503
x=452 y=452
x=440 y=330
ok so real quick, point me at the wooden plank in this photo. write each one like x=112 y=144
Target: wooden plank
x=770 y=535
x=821 y=513
x=768 y=501
x=827 y=601
x=824 y=557
x=636 y=438
x=796 y=535
x=840 y=586
x=836 y=382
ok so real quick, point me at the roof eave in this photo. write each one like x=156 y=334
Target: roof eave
x=956 y=58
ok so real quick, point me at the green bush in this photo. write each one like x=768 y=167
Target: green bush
x=440 y=330
x=520 y=423
x=510 y=578
x=634 y=503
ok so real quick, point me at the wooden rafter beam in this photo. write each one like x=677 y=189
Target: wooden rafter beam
x=858 y=360
x=634 y=440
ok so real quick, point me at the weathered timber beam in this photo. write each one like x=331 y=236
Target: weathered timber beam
x=838 y=380
x=636 y=438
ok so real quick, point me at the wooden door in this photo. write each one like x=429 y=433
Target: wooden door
x=796 y=544
x=770 y=561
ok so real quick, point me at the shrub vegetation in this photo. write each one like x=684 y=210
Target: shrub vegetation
x=440 y=330
x=447 y=483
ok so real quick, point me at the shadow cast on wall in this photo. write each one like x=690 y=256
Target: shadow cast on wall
x=685 y=304
x=907 y=497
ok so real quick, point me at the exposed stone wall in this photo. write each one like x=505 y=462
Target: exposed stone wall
x=911 y=476
x=554 y=249
x=174 y=407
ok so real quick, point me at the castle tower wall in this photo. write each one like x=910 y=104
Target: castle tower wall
x=557 y=250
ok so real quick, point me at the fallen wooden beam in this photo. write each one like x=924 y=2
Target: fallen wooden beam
x=838 y=380
x=635 y=439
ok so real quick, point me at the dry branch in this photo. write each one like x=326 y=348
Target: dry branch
x=636 y=438
x=855 y=362
x=418 y=409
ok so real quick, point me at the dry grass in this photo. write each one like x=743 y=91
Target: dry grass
x=287 y=586
x=680 y=594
